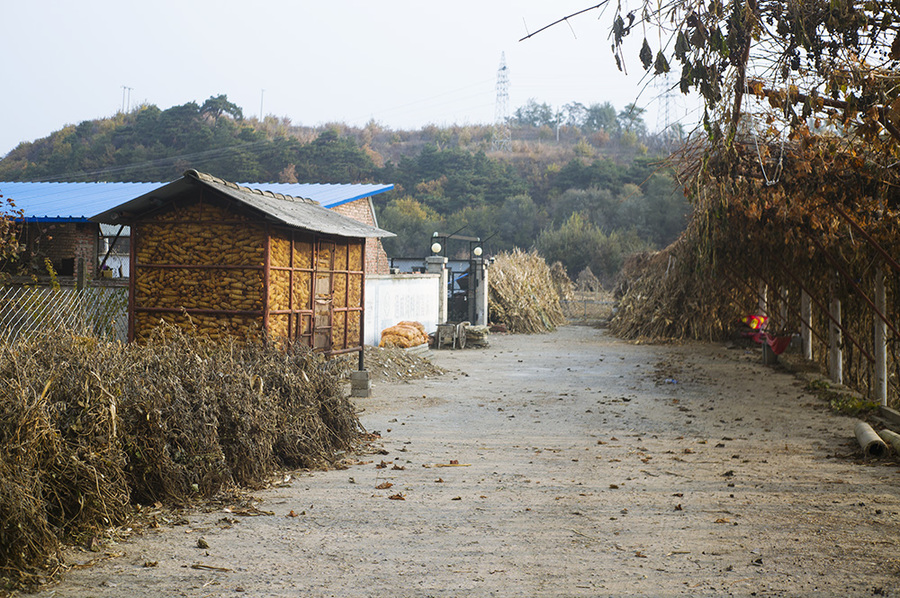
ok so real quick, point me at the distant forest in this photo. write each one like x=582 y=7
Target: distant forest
x=585 y=185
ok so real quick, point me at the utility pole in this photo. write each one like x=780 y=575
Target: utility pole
x=126 y=90
x=502 y=137
x=262 y=94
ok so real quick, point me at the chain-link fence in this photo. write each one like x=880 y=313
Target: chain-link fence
x=96 y=311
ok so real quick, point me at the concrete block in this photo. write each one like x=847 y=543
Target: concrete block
x=360 y=384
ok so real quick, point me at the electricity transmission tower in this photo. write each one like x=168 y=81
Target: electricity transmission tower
x=669 y=132
x=502 y=137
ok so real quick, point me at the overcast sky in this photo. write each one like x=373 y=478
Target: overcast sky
x=403 y=63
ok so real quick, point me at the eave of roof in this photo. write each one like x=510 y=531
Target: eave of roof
x=329 y=195
x=77 y=202
x=296 y=212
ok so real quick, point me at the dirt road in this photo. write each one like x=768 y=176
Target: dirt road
x=581 y=466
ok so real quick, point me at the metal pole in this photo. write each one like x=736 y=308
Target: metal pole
x=880 y=338
x=804 y=320
x=783 y=311
x=362 y=312
x=835 y=354
x=852 y=282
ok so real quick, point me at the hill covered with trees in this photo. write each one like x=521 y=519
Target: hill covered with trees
x=584 y=185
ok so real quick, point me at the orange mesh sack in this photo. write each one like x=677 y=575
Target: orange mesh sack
x=404 y=335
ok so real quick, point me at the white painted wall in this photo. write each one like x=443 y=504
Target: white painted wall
x=393 y=298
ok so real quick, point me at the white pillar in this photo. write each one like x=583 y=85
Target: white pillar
x=806 y=325
x=763 y=302
x=481 y=293
x=880 y=339
x=437 y=264
x=835 y=340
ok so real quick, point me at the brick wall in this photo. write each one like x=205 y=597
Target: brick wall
x=361 y=210
x=65 y=244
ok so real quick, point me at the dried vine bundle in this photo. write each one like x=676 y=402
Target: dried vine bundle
x=774 y=220
x=664 y=295
x=523 y=295
x=88 y=428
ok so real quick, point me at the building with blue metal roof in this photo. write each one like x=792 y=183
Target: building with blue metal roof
x=77 y=202
x=59 y=226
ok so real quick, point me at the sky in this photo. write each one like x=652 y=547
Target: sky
x=402 y=63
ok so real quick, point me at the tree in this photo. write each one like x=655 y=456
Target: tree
x=831 y=60
x=631 y=120
x=10 y=227
x=219 y=105
x=535 y=115
x=578 y=244
x=575 y=114
x=601 y=117
x=413 y=224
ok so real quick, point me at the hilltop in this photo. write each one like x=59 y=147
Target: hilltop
x=585 y=187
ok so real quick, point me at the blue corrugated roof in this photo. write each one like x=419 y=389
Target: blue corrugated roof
x=70 y=202
x=77 y=202
x=326 y=194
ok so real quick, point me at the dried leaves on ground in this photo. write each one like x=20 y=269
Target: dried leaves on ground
x=394 y=363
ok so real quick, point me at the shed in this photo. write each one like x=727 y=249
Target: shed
x=224 y=259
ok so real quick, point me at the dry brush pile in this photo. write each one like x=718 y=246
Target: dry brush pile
x=87 y=429
x=523 y=295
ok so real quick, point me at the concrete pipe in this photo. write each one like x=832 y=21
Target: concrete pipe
x=872 y=445
x=891 y=438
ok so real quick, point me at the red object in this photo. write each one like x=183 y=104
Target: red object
x=755 y=322
x=778 y=343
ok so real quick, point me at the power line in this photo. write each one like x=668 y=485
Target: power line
x=160 y=162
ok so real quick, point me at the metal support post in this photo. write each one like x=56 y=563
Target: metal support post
x=835 y=340
x=880 y=338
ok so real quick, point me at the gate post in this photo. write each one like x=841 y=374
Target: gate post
x=437 y=264
x=481 y=293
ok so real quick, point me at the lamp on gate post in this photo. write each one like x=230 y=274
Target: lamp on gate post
x=438 y=244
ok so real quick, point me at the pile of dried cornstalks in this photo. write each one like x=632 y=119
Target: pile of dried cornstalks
x=523 y=295
x=564 y=286
x=88 y=428
x=669 y=294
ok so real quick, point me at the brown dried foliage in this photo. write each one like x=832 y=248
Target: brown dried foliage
x=523 y=295
x=88 y=428
x=807 y=214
